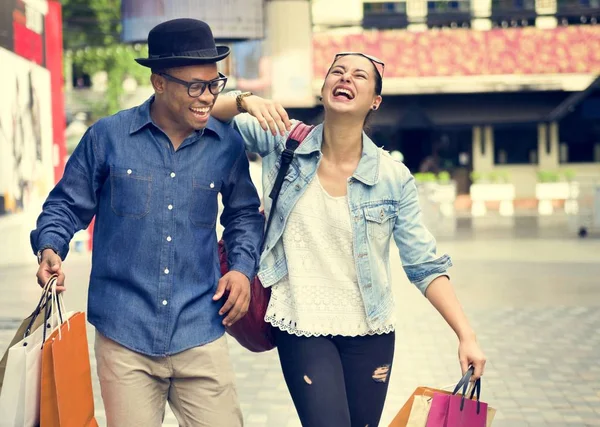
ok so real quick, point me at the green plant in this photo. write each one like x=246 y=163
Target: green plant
x=503 y=176
x=494 y=177
x=423 y=177
x=444 y=177
x=569 y=174
x=545 y=176
x=476 y=177
x=92 y=43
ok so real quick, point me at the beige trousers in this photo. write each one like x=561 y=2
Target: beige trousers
x=198 y=384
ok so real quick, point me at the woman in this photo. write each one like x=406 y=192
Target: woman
x=326 y=255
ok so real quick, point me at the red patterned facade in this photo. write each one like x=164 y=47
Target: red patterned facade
x=464 y=52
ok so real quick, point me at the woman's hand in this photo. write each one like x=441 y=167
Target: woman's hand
x=270 y=114
x=469 y=354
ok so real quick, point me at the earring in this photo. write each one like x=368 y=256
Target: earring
x=374 y=107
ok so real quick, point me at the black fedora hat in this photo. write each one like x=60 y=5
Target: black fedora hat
x=181 y=42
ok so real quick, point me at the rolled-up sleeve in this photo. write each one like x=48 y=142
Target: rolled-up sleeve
x=256 y=139
x=416 y=244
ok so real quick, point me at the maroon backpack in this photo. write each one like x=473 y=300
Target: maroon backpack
x=251 y=331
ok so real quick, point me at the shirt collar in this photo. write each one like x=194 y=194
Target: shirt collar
x=142 y=118
x=367 y=170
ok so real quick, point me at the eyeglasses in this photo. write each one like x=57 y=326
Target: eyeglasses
x=197 y=88
x=377 y=63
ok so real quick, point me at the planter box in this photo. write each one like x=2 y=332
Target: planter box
x=503 y=193
x=546 y=192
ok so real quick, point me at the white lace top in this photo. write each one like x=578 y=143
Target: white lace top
x=320 y=295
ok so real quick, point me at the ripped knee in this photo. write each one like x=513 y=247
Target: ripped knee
x=381 y=374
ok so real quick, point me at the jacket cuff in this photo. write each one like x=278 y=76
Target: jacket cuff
x=424 y=284
x=423 y=274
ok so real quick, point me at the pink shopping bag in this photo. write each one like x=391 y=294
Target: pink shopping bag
x=457 y=410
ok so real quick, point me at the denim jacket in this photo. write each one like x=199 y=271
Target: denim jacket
x=383 y=203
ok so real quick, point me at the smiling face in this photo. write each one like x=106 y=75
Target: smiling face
x=185 y=111
x=351 y=86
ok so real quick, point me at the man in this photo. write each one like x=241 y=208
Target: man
x=151 y=176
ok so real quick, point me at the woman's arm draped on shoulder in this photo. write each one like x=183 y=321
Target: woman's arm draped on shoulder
x=270 y=114
x=263 y=116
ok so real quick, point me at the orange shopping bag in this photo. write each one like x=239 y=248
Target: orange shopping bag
x=66 y=385
x=401 y=419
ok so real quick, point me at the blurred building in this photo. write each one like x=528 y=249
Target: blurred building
x=483 y=85
x=470 y=85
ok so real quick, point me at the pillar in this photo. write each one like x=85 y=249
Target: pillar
x=289 y=35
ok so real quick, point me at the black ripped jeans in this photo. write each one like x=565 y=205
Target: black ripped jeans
x=337 y=381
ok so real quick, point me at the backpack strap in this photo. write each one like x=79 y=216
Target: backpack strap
x=295 y=138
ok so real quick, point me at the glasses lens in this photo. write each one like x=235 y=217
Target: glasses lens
x=216 y=86
x=196 y=89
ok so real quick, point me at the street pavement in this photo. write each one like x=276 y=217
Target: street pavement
x=533 y=300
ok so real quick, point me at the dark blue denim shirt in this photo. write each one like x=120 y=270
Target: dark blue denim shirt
x=155 y=264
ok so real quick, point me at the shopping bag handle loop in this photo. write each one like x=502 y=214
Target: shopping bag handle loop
x=43 y=302
x=464 y=384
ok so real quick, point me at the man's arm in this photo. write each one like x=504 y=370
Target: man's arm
x=70 y=207
x=243 y=234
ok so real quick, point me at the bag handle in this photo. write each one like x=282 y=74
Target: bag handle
x=43 y=302
x=295 y=138
x=53 y=307
x=464 y=384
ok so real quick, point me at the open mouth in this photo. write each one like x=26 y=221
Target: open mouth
x=200 y=112
x=343 y=93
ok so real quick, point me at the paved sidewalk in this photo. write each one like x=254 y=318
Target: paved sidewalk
x=535 y=304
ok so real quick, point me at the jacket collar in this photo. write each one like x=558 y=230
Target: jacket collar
x=367 y=170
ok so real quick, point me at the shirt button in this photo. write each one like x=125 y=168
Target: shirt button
x=129 y=171
x=172 y=174
x=212 y=185
x=166 y=271
x=297 y=187
x=169 y=238
x=165 y=302
x=170 y=207
x=280 y=217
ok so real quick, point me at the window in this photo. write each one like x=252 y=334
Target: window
x=445 y=6
x=382 y=15
x=514 y=145
x=579 y=132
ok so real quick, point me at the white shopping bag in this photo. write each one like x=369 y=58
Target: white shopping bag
x=20 y=394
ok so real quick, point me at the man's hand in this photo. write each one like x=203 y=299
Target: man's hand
x=270 y=114
x=238 y=286
x=51 y=264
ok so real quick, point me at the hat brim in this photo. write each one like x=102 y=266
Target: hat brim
x=183 y=61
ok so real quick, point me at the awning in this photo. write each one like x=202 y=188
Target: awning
x=568 y=105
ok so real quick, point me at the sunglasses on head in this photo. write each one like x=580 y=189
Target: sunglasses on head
x=378 y=63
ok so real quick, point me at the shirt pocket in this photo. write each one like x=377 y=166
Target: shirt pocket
x=380 y=220
x=131 y=189
x=204 y=204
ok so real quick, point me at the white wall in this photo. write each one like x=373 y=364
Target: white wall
x=337 y=12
